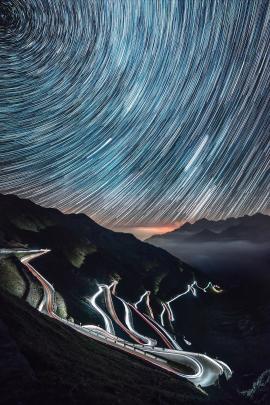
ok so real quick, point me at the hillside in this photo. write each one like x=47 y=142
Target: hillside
x=84 y=253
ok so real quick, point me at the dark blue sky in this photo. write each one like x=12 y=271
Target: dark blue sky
x=142 y=114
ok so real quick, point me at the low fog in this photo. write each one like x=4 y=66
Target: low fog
x=239 y=259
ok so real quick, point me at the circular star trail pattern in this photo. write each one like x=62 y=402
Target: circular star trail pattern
x=136 y=111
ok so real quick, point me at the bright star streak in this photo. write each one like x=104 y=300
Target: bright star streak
x=100 y=148
x=196 y=154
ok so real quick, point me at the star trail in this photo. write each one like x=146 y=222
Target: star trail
x=139 y=113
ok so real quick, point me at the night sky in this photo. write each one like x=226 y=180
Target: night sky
x=141 y=113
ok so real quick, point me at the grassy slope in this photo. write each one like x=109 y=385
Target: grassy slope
x=68 y=368
x=10 y=277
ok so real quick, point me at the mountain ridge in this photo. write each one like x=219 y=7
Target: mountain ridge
x=222 y=229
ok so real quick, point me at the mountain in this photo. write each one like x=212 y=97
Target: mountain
x=84 y=253
x=254 y=228
x=203 y=235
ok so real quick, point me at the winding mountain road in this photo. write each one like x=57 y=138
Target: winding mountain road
x=198 y=368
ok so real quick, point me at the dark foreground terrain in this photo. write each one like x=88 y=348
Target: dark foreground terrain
x=45 y=362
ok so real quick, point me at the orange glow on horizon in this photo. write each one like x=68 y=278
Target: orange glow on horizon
x=144 y=232
x=141 y=232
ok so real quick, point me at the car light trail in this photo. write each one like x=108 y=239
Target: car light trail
x=165 y=340
x=147 y=301
x=149 y=306
x=128 y=321
x=187 y=342
x=162 y=314
x=107 y=321
x=140 y=299
x=191 y=287
x=110 y=307
x=173 y=342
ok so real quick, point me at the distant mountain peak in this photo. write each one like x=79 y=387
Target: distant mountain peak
x=238 y=228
